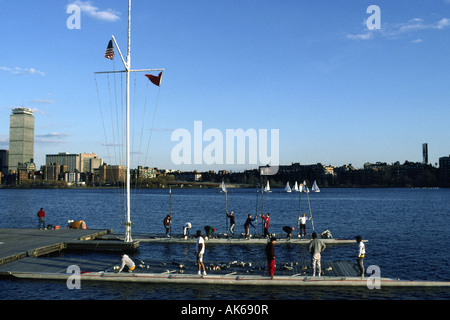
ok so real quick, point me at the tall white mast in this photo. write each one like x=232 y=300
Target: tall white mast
x=127 y=65
x=127 y=68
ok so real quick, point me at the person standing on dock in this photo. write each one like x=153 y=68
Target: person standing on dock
x=41 y=219
x=247 y=224
x=126 y=261
x=270 y=253
x=266 y=224
x=316 y=246
x=302 y=220
x=167 y=222
x=232 y=221
x=361 y=252
x=199 y=251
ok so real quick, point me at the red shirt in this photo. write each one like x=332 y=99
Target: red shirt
x=266 y=222
x=41 y=214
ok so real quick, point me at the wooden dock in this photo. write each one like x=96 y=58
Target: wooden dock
x=148 y=238
x=17 y=244
x=24 y=254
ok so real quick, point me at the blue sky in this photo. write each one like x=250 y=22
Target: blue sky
x=338 y=92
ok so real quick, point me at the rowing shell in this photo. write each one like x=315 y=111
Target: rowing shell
x=233 y=279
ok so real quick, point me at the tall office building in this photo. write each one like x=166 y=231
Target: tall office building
x=21 y=138
x=425 y=153
x=72 y=161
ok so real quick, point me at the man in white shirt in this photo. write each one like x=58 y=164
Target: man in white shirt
x=199 y=251
x=302 y=221
x=126 y=261
x=360 y=255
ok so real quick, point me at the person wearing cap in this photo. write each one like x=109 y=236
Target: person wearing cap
x=232 y=221
x=361 y=251
x=316 y=246
x=199 y=251
x=270 y=253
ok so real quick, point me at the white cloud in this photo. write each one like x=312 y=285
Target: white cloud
x=443 y=23
x=361 y=36
x=53 y=137
x=23 y=71
x=42 y=101
x=417 y=41
x=393 y=31
x=107 y=15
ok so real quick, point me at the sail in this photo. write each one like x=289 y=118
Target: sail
x=305 y=187
x=296 y=187
x=315 y=187
x=224 y=187
x=287 y=188
x=267 y=188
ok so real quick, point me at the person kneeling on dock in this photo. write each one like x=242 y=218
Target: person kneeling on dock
x=187 y=226
x=126 y=261
x=80 y=224
x=288 y=231
x=210 y=232
x=316 y=246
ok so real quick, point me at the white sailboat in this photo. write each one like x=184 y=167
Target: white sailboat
x=267 y=188
x=296 y=187
x=224 y=187
x=155 y=80
x=287 y=188
x=305 y=187
x=315 y=187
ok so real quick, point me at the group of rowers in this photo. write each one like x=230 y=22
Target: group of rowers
x=210 y=231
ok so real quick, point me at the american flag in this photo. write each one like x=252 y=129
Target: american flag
x=109 y=54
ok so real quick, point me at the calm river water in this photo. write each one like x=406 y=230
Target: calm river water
x=408 y=232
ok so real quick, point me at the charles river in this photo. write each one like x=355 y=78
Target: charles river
x=408 y=232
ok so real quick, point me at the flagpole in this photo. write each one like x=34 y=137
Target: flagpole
x=127 y=65
x=128 y=237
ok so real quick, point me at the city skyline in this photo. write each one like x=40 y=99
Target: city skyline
x=337 y=92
